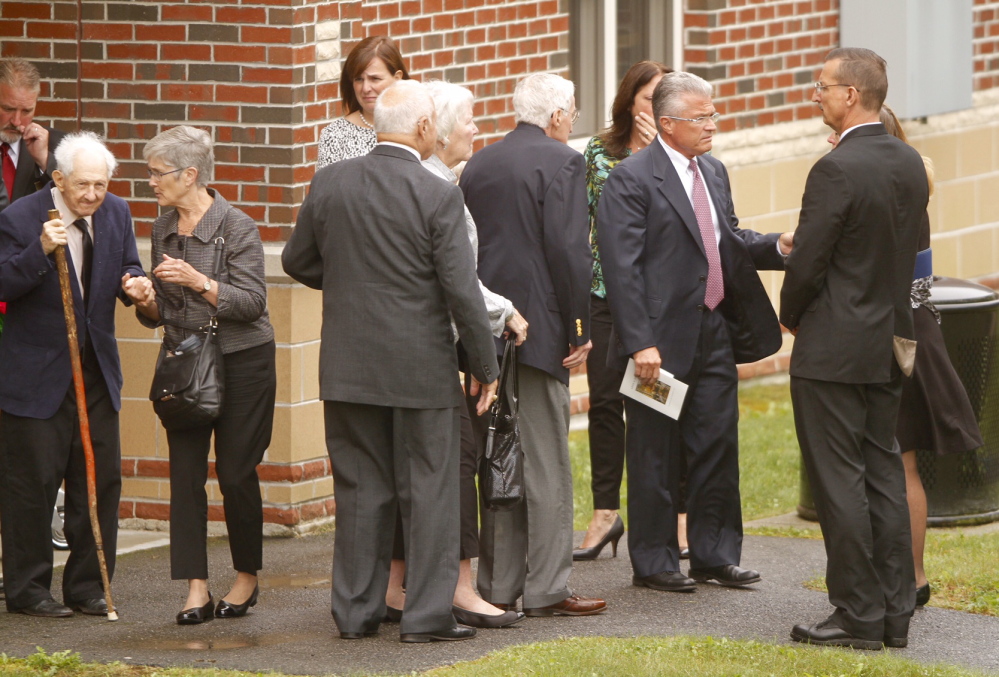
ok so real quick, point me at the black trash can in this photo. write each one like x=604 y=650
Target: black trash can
x=961 y=489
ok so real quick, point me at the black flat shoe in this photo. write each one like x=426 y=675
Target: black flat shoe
x=670 y=581
x=728 y=575
x=454 y=634
x=357 y=635
x=91 y=607
x=825 y=633
x=923 y=594
x=612 y=537
x=684 y=553
x=227 y=610
x=197 y=615
x=47 y=608
x=392 y=615
x=475 y=620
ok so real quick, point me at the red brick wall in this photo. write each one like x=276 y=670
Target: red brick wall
x=986 y=44
x=486 y=45
x=760 y=54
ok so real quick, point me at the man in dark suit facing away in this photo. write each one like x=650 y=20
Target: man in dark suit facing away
x=27 y=149
x=685 y=296
x=527 y=194
x=385 y=241
x=846 y=298
x=40 y=442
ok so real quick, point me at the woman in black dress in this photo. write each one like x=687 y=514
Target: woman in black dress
x=935 y=412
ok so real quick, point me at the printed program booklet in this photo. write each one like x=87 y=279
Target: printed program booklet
x=665 y=395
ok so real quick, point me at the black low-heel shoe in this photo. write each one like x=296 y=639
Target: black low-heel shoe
x=227 y=610
x=612 y=537
x=198 y=614
x=923 y=595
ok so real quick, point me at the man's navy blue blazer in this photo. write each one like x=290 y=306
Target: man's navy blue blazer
x=34 y=352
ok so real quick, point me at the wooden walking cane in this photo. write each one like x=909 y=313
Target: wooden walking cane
x=81 y=408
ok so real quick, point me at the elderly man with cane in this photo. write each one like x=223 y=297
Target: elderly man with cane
x=40 y=433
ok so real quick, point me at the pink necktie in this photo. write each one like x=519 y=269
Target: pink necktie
x=715 y=291
x=9 y=170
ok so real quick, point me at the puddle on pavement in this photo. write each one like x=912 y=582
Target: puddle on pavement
x=219 y=644
x=294 y=581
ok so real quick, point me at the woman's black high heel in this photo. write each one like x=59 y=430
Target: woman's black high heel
x=197 y=615
x=612 y=537
x=227 y=610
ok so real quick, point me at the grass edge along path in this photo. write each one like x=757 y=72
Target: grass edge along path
x=583 y=657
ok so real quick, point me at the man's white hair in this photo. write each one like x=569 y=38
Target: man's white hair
x=670 y=95
x=450 y=101
x=399 y=108
x=82 y=142
x=539 y=95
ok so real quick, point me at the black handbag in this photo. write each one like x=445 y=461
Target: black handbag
x=189 y=384
x=501 y=472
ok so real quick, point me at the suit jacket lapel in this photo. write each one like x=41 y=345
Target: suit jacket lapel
x=669 y=185
x=716 y=189
x=25 y=172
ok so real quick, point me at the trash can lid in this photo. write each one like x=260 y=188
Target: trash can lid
x=951 y=290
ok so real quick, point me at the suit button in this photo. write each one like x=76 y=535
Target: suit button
x=702 y=278
x=700 y=308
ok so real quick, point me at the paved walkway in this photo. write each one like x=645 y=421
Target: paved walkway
x=291 y=630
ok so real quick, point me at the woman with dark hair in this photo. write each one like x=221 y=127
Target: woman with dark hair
x=632 y=129
x=935 y=412
x=371 y=67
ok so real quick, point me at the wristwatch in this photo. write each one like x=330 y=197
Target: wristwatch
x=207 y=287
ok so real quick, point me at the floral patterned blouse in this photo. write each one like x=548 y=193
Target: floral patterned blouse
x=342 y=140
x=599 y=164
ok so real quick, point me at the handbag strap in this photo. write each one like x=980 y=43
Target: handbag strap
x=509 y=381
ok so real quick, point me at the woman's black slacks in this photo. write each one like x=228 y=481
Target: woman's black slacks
x=242 y=435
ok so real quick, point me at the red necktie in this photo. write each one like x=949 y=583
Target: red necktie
x=715 y=291
x=9 y=170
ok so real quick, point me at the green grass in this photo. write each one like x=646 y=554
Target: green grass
x=583 y=657
x=961 y=569
x=768 y=458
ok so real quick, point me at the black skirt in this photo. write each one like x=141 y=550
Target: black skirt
x=935 y=412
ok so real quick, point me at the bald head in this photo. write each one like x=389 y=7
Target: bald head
x=404 y=113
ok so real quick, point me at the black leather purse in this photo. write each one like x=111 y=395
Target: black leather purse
x=501 y=472
x=189 y=382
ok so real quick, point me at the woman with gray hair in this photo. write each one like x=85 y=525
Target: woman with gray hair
x=180 y=163
x=456 y=131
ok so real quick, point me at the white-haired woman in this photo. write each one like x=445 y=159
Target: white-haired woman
x=180 y=163
x=456 y=132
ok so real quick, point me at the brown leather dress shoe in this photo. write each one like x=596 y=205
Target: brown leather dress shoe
x=573 y=605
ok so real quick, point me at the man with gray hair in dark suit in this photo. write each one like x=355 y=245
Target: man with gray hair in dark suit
x=385 y=240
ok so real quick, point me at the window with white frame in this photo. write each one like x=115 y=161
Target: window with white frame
x=605 y=38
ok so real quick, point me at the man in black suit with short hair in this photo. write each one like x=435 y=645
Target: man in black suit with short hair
x=685 y=296
x=846 y=299
x=27 y=149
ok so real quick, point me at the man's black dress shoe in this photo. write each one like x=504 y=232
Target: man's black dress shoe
x=92 y=607
x=227 y=610
x=392 y=615
x=454 y=634
x=197 y=615
x=728 y=574
x=612 y=537
x=896 y=642
x=474 y=620
x=826 y=633
x=357 y=635
x=923 y=595
x=47 y=608
x=670 y=581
